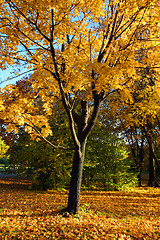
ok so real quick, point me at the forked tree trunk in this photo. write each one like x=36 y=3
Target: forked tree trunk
x=80 y=125
x=76 y=180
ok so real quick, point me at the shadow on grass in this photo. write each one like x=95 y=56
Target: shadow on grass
x=15 y=183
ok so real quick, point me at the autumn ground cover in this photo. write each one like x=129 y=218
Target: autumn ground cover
x=26 y=214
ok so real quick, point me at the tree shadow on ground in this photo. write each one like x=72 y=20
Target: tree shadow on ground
x=15 y=183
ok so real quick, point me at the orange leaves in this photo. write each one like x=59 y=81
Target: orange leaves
x=73 y=43
x=34 y=24
x=105 y=215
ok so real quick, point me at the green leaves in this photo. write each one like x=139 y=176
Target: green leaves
x=107 y=164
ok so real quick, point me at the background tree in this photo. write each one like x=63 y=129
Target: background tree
x=6 y=136
x=136 y=140
x=153 y=160
x=139 y=123
x=3 y=148
x=77 y=51
x=107 y=165
x=49 y=168
x=4 y=158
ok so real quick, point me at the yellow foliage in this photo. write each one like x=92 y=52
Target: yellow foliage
x=74 y=44
x=3 y=148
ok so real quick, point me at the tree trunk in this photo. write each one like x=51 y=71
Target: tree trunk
x=141 y=160
x=81 y=125
x=152 y=182
x=151 y=169
x=140 y=178
x=76 y=180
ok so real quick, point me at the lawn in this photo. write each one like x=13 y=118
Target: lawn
x=26 y=214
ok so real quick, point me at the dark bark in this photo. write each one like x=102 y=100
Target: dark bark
x=76 y=180
x=139 y=179
x=141 y=161
x=140 y=167
x=137 y=149
x=84 y=128
x=150 y=143
x=152 y=182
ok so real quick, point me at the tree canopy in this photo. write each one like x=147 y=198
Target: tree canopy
x=71 y=48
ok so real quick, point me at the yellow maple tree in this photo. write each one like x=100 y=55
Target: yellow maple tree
x=75 y=50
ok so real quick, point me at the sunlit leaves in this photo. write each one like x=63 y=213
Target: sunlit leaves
x=68 y=41
x=3 y=148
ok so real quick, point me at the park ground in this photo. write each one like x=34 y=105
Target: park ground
x=26 y=214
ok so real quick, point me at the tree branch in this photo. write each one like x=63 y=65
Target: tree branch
x=43 y=138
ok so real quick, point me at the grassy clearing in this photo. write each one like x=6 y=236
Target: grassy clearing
x=26 y=214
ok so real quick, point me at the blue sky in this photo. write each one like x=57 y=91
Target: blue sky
x=4 y=74
x=7 y=78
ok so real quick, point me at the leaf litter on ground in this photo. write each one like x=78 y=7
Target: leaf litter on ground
x=26 y=214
